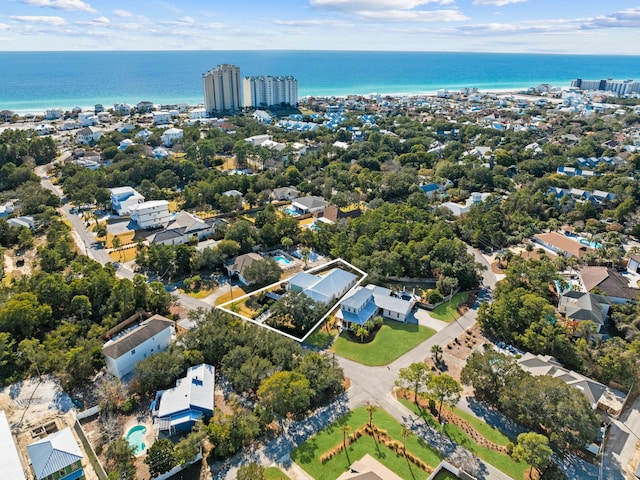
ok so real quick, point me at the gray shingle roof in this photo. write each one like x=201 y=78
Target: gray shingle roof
x=143 y=332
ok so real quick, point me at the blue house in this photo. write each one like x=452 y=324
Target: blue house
x=56 y=457
x=178 y=409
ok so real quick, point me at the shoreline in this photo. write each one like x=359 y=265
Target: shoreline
x=426 y=93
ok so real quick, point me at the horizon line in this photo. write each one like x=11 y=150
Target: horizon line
x=583 y=54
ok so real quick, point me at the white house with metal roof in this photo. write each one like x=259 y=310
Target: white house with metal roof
x=151 y=214
x=123 y=352
x=124 y=197
x=10 y=464
x=310 y=204
x=56 y=457
x=178 y=408
x=325 y=287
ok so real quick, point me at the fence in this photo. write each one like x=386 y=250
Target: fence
x=91 y=454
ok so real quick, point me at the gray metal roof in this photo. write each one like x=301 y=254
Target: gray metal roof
x=10 y=464
x=53 y=453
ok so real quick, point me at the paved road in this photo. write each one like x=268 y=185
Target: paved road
x=363 y=390
x=619 y=447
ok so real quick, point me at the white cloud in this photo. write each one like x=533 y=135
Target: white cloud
x=316 y=22
x=496 y=3
x=69 y=5
x=4 y=26
x=122 y=13
x=414 y=16
x=99 y=22
x=55 y=21
x=359 y=5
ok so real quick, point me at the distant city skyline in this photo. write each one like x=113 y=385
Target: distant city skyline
x=518 y=26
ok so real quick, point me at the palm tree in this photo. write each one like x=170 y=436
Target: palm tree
x=371 y=409
x=436 y=350
x=345 y=429
x=362 y=333
x=406 y=433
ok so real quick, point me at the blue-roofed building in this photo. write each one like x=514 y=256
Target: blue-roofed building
x=179 y=408
x=56 y=457
x=366 y=302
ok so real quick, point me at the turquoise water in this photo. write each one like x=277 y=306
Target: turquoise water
x=291 y=211
x=590 y=244
x=32 y=81
x=135 y=436
x=282 y=260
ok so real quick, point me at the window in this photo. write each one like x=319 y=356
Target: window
x=133 y=352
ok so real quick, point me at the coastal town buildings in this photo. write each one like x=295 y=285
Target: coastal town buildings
x=266 y=91
x=222 y=91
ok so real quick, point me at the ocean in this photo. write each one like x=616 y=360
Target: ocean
x=33 y=81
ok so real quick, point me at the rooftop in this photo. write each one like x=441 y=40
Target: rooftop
x=53 y=453
x=141 y=333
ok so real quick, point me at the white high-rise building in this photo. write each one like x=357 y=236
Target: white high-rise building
x=266 y=91
x=222 y=89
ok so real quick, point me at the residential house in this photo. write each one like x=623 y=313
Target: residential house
x=262 y=117
x=364 y=303
x=26 y=221
x=144 y=134
x=633 y=265
x=184 y=228
x=123 y=352
x=122 y=198
x=238 y=266
x=179 y=408
x=160 y=152
x=151 y=214
x=431 y=189
x=161 y=118
x=609 y=282
x=368 y=468
x=53 y=113
x=575 y=172
x=284 y=193
x=325 y=287
x=559 y=243
x=126 y=143
x=197 y=114
x=5 y=115
x=333 y=214
x=258 y=140
x=171 y=136
x=88 y=135
x=122 y=108
x=10 y=464
x=87 y=119
x=56 y=457
x=581 y=306
x=144 y=106
x=599 y=396
x=310 y=204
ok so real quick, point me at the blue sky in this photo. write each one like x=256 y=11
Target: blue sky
x=538 y=26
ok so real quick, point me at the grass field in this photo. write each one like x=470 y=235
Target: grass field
x=202 y=293
x=393 y=340
x=308 y=454
x=227 y=297
x=124 y=255
x=501 y=461
x=125 y=238
x=448 y=311
x=320 y=338
x=274 y=473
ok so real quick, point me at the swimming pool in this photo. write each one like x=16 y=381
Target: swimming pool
x=135 y=436
x=590 y=244
x=282 y=260
x=291 y=211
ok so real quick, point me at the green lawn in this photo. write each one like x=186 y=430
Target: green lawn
x=448 y=311
x=393 y=340
x=320 y=338
x=308 y=454
x=274 y=473
x=499 y=460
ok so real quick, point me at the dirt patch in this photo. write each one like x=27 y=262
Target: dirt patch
x=456 y=352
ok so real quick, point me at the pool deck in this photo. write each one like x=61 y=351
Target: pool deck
x=149 y=436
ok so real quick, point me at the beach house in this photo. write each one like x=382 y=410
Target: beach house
x=122 y=198
x=56 y=457
x=324 y=287
x=179 y=408
x=151 y=214
x=123 y=352
x=171 y=136
x=88 y=135
x=365 y=303
x=238 y=266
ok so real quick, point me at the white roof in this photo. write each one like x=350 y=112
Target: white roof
x=172 y=131
x=122 y=190
x=149 y=204
x=53 y=453
x=194 y=390
x=10 y=464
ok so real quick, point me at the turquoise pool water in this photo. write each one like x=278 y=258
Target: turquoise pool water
x=135 y=436
x=590 y=244
x=282 y=260
x=291 y=211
